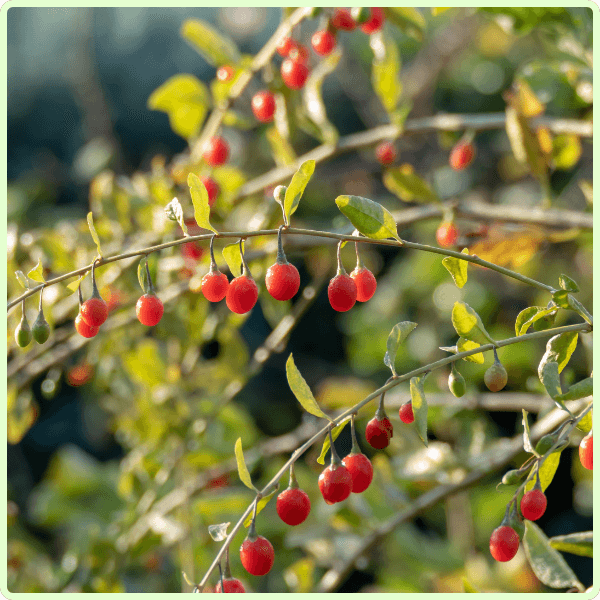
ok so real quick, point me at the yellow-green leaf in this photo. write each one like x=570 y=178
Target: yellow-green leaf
x=282 y=151
x=559 y=349
x=301 y=390
x=74 y=285
x=399 y=333
x=90 y=220
x=22 y=279
x=524 y=143
x=233 y=258
x=581 y=544
x=37 y=274
x=419 y=406
x=457 y=268
x=371 y=219
x=408 y=186
x=200 y=202
x=467 y=585
x=464 y=345
x=296 y=188
x=468 y=324
x=547 y=472
x=566 y=151
x=261 y=504
x=529 y=316
x=585 y=424
x=214 y=47
x=566 y=283
x=385 y=70
x=241 y=465
x=335 y=432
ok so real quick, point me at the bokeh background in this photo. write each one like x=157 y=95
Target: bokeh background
x=108 y=428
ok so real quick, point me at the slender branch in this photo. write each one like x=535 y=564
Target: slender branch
x=376 y=394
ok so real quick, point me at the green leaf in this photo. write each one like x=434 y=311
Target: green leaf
x=37 y=274
x=371 y=219
x=561 y=298
x=575 y=305
x=241 y=465
x=464 y=345
x=72 y=287
x=457 y=268
x=525 y=144
x=296 y=188
x=174 y=212
x=214 y=47
x=547 y=472
x=335 y=432
x=408 y=186
x=22 y=279
x=469 y=587
x=546 y=562
x=233 y=118
x=559 y=349
x=282 y=151
x=527 y=445
x=566 y=283
x=408 y=19
x=261 y=504
x=585 y=424
x=419 y=406
x=581 y=544
x=528 y=316
x=141 y=273
x=233 y=258
x=301 y=390
x=566 y=152
x=468 y=324
x=385 y=70
x=549 y=377
x=581 y=389
x=399 y=333
x=90 y=220
x=200 y=202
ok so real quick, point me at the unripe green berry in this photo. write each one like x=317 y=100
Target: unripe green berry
x=279 y=193
x=545 y=444
x=457 y=384
x=495 y=377
x=40 y=329
x=23 y=333
x=512 y=477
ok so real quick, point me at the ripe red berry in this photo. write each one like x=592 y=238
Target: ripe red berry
x=375 y=23
x=214 y=286
x=149 y=310
x=293 y=506
x=446 y=234
x=242 y=294
x=192 y=251
x=285 y=46
x=461 y=156
x=257 y=555
x=87 y=331
x=335 y=484
x=294 y=74
x=361 y=471
x=299 y=53
x=406 y=413
x=263 y=106
x=212 y=187
x=366 y=284
x=94 y=311
x=586 y=452
x=283 y=281
x=323 y=42
x=231 y=585
x=533 y=504
x=216 y=152
x=385 y=153
x=225 y=73
x=342 y=19
x=504 y=543
x=378 y=433
x=342 y=292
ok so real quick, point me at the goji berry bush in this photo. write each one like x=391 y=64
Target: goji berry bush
x=367 y=277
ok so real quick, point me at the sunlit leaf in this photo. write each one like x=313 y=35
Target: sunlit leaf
x=22 y=279
x=335 y=432
x=385 y=70
x=399 y=333
x=241 y=465
x=581 y=544
x=559 y=349
x=527 y=445
x=527 y=102
x=261 y=504
x=566 y=151
x=467 y=585
x=90 y=220
x=464 y=345
x=174 y=212
x=585 y=424
x=468 y=324
x=301 y=390
x=457 y=268
x=233 y=258
x=214 y=47
x=74 y=285
x=370 y=218
x=36 y=274
x=547 y=472
x=296 y=188
x=528 y=316
x=419 y=406
x=200 y=202
x=524 y=143
x=566 y=283
x=408 y=186
x=299 y=576
x=282 y=151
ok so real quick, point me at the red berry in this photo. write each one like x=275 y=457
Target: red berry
x=294 y=74
x=263 y=106
x=94 y=311
x=232 y=586
x=375 y=23
x=216 y=152
x=293 y=506
x=461 y=156
x=446 y=234
x=225 y=73
x=533 y=504
x=366 y=284
x=84 y=329
x=214 y=286
x=285 y=46
x=242 y=294
x=406 y=413
x=361 y=470
x=149 y=310
x=257 y=556
x=586 y=452
x=283 y=281
x=504 y=543
x=378 y=433
x=342 y=293
x=335 y=484
x=192 y=250
x=212 y=187
x=299 y=53
x=323 y=42
x=385 y=153
x=342 y=19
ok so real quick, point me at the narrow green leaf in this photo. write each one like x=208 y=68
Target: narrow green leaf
x=546 y=562
x=547 y=472
x=261 y=504
x=457 y=268
x=469 y=587
x=22 y=279
x=408 y=186
x=527 y=445
x=581 y=544
x=525 y=144
x=37 y=274
x=90 y=220
x=282 y=151
x=464 y=345
x=301 y=390
x=585 y=424
x=200 y=202
x=566 y=283
x=233 y=258
x=296 y=188
x=335 y=432
x=72 y=287
x=141 y=273
x=385 y=70
x=529 y=316
x=174 y=212
x=419 y=406
x=581 y=389
x=575 y=305
x=408 y=19
x=214 y=47
x=550 y=378
x=468 y=324
x=241 y=465
x=370 y=218
x=399 y=333
x=559 y=349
